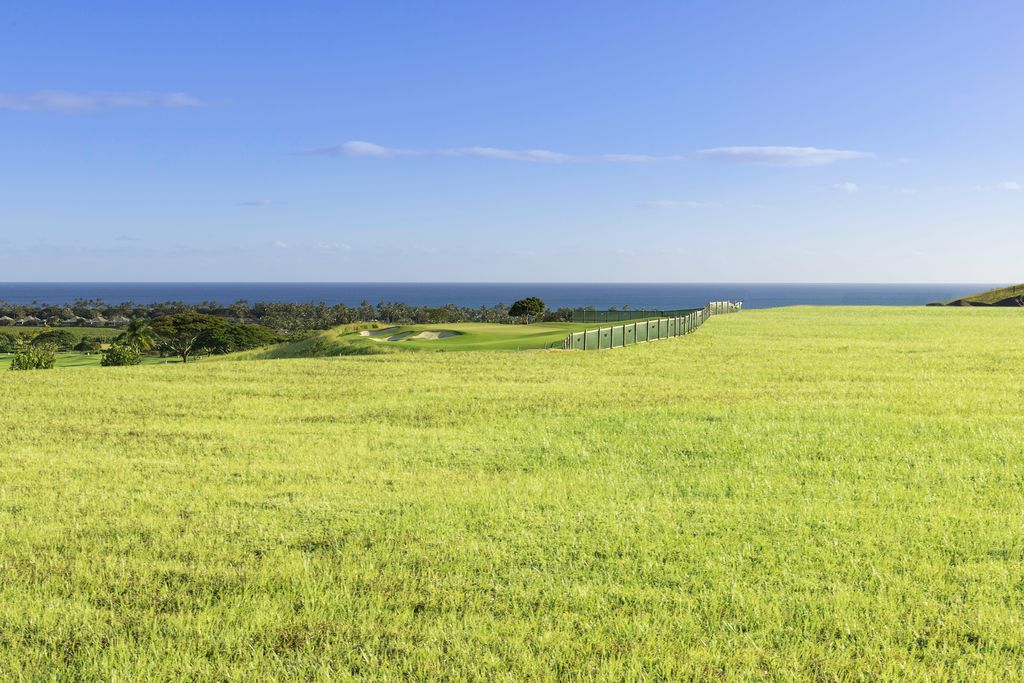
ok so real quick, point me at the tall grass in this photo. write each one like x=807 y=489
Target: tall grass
x=806 y=493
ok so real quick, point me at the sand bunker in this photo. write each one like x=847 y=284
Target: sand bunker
x=374 y=333
x=378 y=335
x=435 y=335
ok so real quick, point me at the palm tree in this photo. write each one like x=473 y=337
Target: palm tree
x=139 y=334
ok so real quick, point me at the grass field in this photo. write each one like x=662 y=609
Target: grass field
x=790 y=494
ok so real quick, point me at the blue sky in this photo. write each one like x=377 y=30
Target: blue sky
x=528 y=141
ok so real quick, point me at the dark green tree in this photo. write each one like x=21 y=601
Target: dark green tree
x=180 y=333
x=525 y=308
x=236 y=337
x=62 y=340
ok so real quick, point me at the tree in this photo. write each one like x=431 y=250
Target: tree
x=180 y=332
x=121 y=354
x=140 y=334
x=233 y=337
x=524 y=308
x=34 y=358
x=62 y=340
x=367 y=312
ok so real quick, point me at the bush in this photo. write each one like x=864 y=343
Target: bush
x=34 y=358
x=88 y=345
x=8 y=343
x=121 y=354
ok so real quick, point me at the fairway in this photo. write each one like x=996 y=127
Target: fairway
x=787 y=494
x=382 y=338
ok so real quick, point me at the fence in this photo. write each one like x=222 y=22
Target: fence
x=583 y=315
x=646 y=330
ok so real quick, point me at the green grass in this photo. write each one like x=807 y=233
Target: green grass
x=74 y=359
x=791 y=494
x=346 y=340
x=993 y=295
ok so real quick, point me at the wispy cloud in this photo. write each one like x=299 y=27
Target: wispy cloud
x=334 y=247
x=70 y=102
x=675 y=204
x=360 y=148
x=1011 y=185
x=256 y=202
x=278 y=244
x=847 y=187
x=782 y=156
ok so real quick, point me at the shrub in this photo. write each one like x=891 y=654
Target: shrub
x=34 y=358
x=8 y=343
x=88 y=345
x=121 y=354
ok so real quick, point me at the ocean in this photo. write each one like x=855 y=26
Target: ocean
x=555 y=295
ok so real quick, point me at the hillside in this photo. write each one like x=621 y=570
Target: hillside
x=789 y=494
x=1004 y=296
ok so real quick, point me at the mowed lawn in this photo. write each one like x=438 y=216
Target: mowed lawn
x=791 y=494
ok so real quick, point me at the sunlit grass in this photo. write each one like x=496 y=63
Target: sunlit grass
x=803 y=493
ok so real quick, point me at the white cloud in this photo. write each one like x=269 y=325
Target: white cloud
x=541 y=155
x=278 y=244
x=906 y=190
x=360 y=148
x=334 y=247
x=675 y=204
x=68 y=102
x=847 y=187
x=1011 y=185
x=782 y=156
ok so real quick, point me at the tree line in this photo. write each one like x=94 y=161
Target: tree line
x=283 y=318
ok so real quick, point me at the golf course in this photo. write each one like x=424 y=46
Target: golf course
x=803 y=493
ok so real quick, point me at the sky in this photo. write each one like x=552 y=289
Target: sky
x=512 y=142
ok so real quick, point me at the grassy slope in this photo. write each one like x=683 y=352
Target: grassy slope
x=470 y=337
x=792 y=494
x=994 y=295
